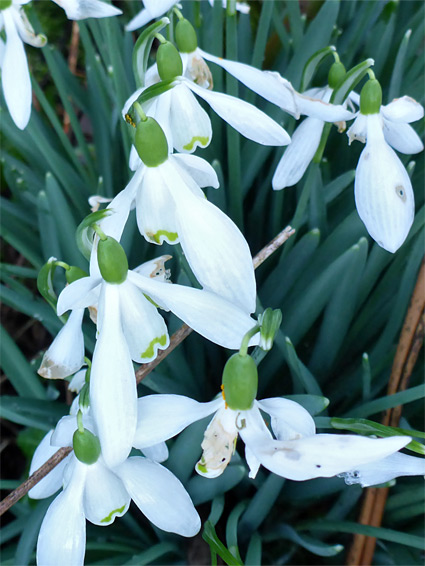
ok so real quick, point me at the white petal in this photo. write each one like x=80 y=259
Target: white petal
x=78 y=381
x=160 y=496
x=121 y=205
x=130 y=100
x=113 y=394
x=161 y=417
x=289 y=420
x=358 y=130
x=253 y=463
x=81 y=293
x=155 y=268
x=64 y=430
x=205 y=233
x=25 y=29
x=15 y=75
x=105 y=496
x=81 y=9
x=383 y=191
x=62 y=538
x=402 y=137
x=270 y=86
x=385 y=470
x=144 y=328
x=151 y=11
x=208 y=314
x=190 y=124
x=50 y=484
x=65 y=355
x=155 y=209
x=298 y=154
x=322 y=110
x=157 y=453
x=134 y=161
x=321 y=455
x=404 y=109
x=199 y=169
x=244 y=117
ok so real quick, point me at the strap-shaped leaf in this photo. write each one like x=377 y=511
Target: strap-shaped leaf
x=45 y=282
x=312 y=64
x=84 y=231
x=142 y=49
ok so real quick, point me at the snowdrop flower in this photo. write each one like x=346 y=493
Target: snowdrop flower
x=152 y=9
x=82 y=9
x=241 y=7
x=171 y=207
x=15 y=75
x=185 y=122
x=382 y=188
x=98 y=493
x=295 y=452
x=130 y=328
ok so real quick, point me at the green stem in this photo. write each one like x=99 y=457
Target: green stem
x=138 y=108
x=243 y=350
x=178 y=13
x=62 y=264
x=99 y=231
x=160 y=38
x=80 y=422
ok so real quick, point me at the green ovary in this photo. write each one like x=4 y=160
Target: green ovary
x=112 y=513
x=4 y=4
x=149 y=352
x=203 y=141
x=171 y=236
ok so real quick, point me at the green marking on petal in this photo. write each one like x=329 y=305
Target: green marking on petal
x=149 y=352
x=171 y=236
x=108 y=519
x=203 y=142
x=201 y=468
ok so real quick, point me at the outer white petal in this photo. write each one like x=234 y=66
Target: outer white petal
x=15 y=75
x=155 y=268
x=161 y=417
x=253 y=463
x=322 y=109
x=157 y=453
x=383 y=191
x=105 y=496
x=121 y=206
x=189 y=123
x=62 y=537
x=244 y=117
x=402 y=137
x=152 y=10
x=269 y=85
x=298 y=154
x=81 y=9
x=65 y=355
x=50 y=484
x=134 y=161
x=78 y=381
x=321 y=455
x=385 y=470
x=404 y=109
x=199 y=169
x=25 y=29
x=256 y=429
x=216 y=250
x=160 y=496
x=155 y=209
x=130 y=100
x=64 y=430
x=289 y=420
x=113 y=394
x=208 y=314
x=358 y=130
x=81 y=293
x=144 y=328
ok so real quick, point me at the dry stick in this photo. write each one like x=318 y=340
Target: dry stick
x=142 y=372
x=410 y=343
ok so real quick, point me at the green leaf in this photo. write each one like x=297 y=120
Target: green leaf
x=217 y=547
x=314 y=404
x=36 y=413
x=142 y=49
x=204 y=489
x=312 y=64
x=261 y=504
x=152 y=554
x=388 y=402
x=317 y=547
x=17 y=369
x=28 y=539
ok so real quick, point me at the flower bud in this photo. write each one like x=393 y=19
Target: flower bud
x=86 y=446
x=168 y=61
x=151 y=143
x=112 y=260
x=240 y=382
x=336 y=74
x=74 y=273
x=186 y=38
x=270 y=322
x=371 y=97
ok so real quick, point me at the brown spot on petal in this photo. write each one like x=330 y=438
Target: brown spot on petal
x=400 y=192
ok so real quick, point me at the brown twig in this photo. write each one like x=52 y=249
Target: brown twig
x=176 y=339
x=409 y=345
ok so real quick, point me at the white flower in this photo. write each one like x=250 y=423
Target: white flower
x=15 y=75
x=82 y=9
x=100 y=493
x=130 y=327
x=296 y=452
x=187 y=125
x=153 y=9
x=171 y=207
x=382 y=187
x=241 y=7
